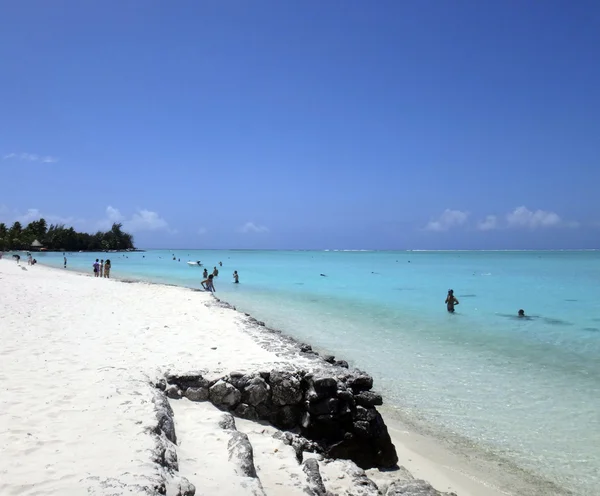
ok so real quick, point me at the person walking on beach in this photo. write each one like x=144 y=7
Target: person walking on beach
x=101 y=268
x=208 y=284
x=215 y=272
x=65 y=260
x=205 y=273
x=107 y=269
x=451 y=301
x=236 y=278
x=96 y=268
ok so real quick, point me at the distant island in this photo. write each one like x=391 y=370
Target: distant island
x=39 y=237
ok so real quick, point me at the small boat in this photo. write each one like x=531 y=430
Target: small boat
x=198 y=263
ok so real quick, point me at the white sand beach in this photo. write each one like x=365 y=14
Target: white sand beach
x=78 y=357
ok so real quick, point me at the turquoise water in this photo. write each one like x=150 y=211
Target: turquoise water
x=527 y=390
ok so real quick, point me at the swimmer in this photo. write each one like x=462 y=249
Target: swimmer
x=323 y=275
x=521 y=313
x=451 y=301
x=236 y=277
x=205 y=274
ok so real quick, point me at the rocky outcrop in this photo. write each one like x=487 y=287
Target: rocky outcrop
x=165 y=454
x=414 y=488
x=335 y=411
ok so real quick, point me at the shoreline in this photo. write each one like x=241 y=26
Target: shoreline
x=425 y=456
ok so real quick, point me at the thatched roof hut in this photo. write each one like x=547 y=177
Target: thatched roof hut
x=36 y=245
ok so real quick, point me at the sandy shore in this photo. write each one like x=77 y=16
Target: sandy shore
x=77 y=359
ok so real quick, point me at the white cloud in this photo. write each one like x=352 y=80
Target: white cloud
x=251 y=227
x=490 y=223
x=141 y=220
x=9 y=216
x=145 y=220
x=30 y=157
x=448 y=220
x=525 y=218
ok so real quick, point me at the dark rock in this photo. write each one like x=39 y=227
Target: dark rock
x=162 y=384
x=313 y=477
x=227 y=422
x=341 y=363
x=173 y=392
x=368 y=399
x=347 y=398
x=256 y=391
x=362 y=382
x=223 y=394
x=324 y=407
x=322 y=387
x=329 y=359
x=285 y=388
x=247 y=314
x=414 y=488
x=305 y=420
x=240 y=452
x=362 y=428
x=265 y=374
x=164 y=415
x=196 y=394
x=366 y=414
x=246 y=412
x=238 y=380
x=305 y=348
x=262 y=324
x=264 y=411
x=187 y=381
x=286 y=417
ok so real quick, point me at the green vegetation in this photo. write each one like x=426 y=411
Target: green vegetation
x=61 y=238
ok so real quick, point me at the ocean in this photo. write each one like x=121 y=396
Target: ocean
x=525 y=391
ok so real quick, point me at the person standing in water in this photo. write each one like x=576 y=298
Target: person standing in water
x=208 y=284
x=215 y=272
x=451 y=301
x=96 y=268
x=236 y=278
x=65 y=260
x=107 y=269
x=102 y=268
x=205 y=273
x=521 y=313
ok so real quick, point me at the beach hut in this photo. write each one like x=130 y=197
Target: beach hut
x=36 y=245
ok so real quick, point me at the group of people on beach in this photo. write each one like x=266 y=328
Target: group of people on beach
x=101 y=268
x=209 y=279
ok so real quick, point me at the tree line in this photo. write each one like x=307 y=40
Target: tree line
x=61 y=238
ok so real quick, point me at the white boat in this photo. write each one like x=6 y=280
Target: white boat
x=195 y=264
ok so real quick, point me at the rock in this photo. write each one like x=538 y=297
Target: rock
x=341 y=363
x=329 y=359
x=227 y=422
x=164 y=415
x=187 y=381
x=313 y=478
x=185 y=488
x=240 y=452
x=362 y=382
x=173 y=392
x=238 y=380
x=366 y=414
x=223 y=394
x=324 y=387
x=362 y=428
x=368 y=399
x=262 y=324
x=414 y=488
x=256 y=391
x=196 y=394
x=305 y=348
x=285 y=388
x=246 y=412
x=346 y=397
x=162 y=384
x=324 y=407
x=305 y=420
x=286 y=417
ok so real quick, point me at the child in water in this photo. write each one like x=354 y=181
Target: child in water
x=451 y=301
x=236 y=278
x=208 y=284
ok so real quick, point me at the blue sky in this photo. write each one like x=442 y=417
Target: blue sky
x=275 y=124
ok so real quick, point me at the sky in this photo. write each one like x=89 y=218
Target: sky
x=338 y=124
